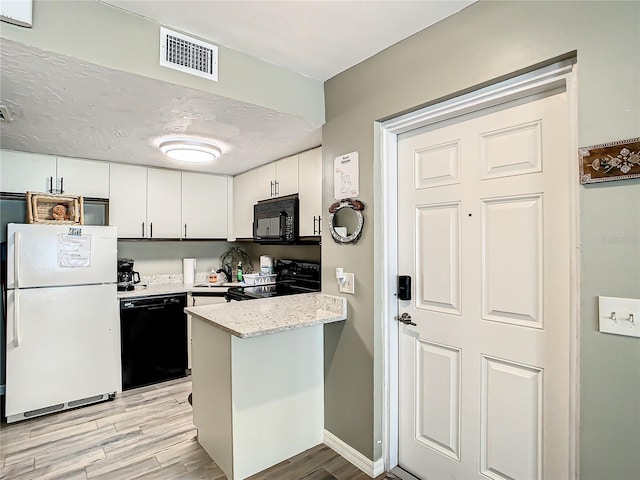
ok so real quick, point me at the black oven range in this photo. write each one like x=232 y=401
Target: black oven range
x=293 y=277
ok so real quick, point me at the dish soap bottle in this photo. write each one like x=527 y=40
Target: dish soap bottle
x=239 y=271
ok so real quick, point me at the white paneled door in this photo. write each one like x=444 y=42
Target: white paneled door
x=484 y=231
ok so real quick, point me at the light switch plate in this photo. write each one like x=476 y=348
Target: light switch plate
x=349 y=281
x=616 y=315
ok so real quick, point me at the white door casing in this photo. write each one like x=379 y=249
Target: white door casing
x=491 y=197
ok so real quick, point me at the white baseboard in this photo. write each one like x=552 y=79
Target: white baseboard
x=371 y=468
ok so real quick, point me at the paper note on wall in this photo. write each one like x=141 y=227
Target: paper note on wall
x=345 y=178
x=74 y=251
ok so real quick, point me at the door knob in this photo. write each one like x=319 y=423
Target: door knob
x=406 y=319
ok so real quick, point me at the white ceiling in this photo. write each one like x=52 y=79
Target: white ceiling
x=318 y=39
x=64 y=106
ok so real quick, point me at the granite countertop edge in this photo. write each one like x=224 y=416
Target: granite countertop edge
x=266 y=316
x=173 y=288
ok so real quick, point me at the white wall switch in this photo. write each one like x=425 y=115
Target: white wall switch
x=620 y=316
x=349 y=283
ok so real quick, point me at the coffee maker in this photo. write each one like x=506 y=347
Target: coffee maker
x=127 y=278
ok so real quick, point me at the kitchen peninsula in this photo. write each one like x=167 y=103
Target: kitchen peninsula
x=258 y=378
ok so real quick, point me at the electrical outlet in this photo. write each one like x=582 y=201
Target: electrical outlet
x=349 y=284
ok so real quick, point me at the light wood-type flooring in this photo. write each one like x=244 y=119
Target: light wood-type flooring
x=146 y=433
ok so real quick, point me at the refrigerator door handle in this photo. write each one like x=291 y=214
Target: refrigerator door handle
x=16 y=259
x=16 y=318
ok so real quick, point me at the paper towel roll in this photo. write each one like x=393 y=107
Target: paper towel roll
x=189 y=270
x=266 y=264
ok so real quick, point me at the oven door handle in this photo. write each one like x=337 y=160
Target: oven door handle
x=157 y=306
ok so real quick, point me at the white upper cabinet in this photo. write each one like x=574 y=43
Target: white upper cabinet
x=246 y=193
x=164 y=199
x=264 y=179
x=274 y=179
x=204 y=205
x=145 y=202
x=277 y=179
x=157 y=203
x=83 y=177
x=300 y=174
x=310 y=191
x=128 y=200
x=286 y=178
x=26 y=172
x=29 y=172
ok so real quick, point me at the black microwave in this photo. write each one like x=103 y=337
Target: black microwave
x=276 y=220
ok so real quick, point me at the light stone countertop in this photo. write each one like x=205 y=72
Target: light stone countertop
x=252 y=318
x=171 y=288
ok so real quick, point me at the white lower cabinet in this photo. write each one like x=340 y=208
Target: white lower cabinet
x=197 y=302
x=259 y=400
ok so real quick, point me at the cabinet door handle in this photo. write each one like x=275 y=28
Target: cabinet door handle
x=319 y=225
x=61 y=184
x=314 y=224
x=277 y=188
x=142 y=229
x=185 y=230
x=50 y=184
x=271 y=192
x=151 y=230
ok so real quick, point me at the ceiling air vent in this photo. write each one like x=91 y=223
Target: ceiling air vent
x=188 y=54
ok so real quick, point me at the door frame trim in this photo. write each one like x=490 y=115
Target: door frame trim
x=562 y=74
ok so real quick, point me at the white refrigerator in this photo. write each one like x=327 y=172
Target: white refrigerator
x=63 y=327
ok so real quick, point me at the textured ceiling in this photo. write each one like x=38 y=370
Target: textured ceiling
x=63 y=106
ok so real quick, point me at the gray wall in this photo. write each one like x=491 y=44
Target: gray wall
x=104 y=35
x=483 y=43
x=165 y=257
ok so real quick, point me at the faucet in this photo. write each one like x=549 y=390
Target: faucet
x=227 y=272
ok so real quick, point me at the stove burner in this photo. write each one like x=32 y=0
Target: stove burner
x=294 y=277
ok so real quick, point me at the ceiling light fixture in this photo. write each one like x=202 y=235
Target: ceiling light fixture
x=190 y=150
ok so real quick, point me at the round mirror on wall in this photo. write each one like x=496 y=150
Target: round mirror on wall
x=346 y=220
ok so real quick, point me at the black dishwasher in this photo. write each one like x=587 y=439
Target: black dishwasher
x=153 y=332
